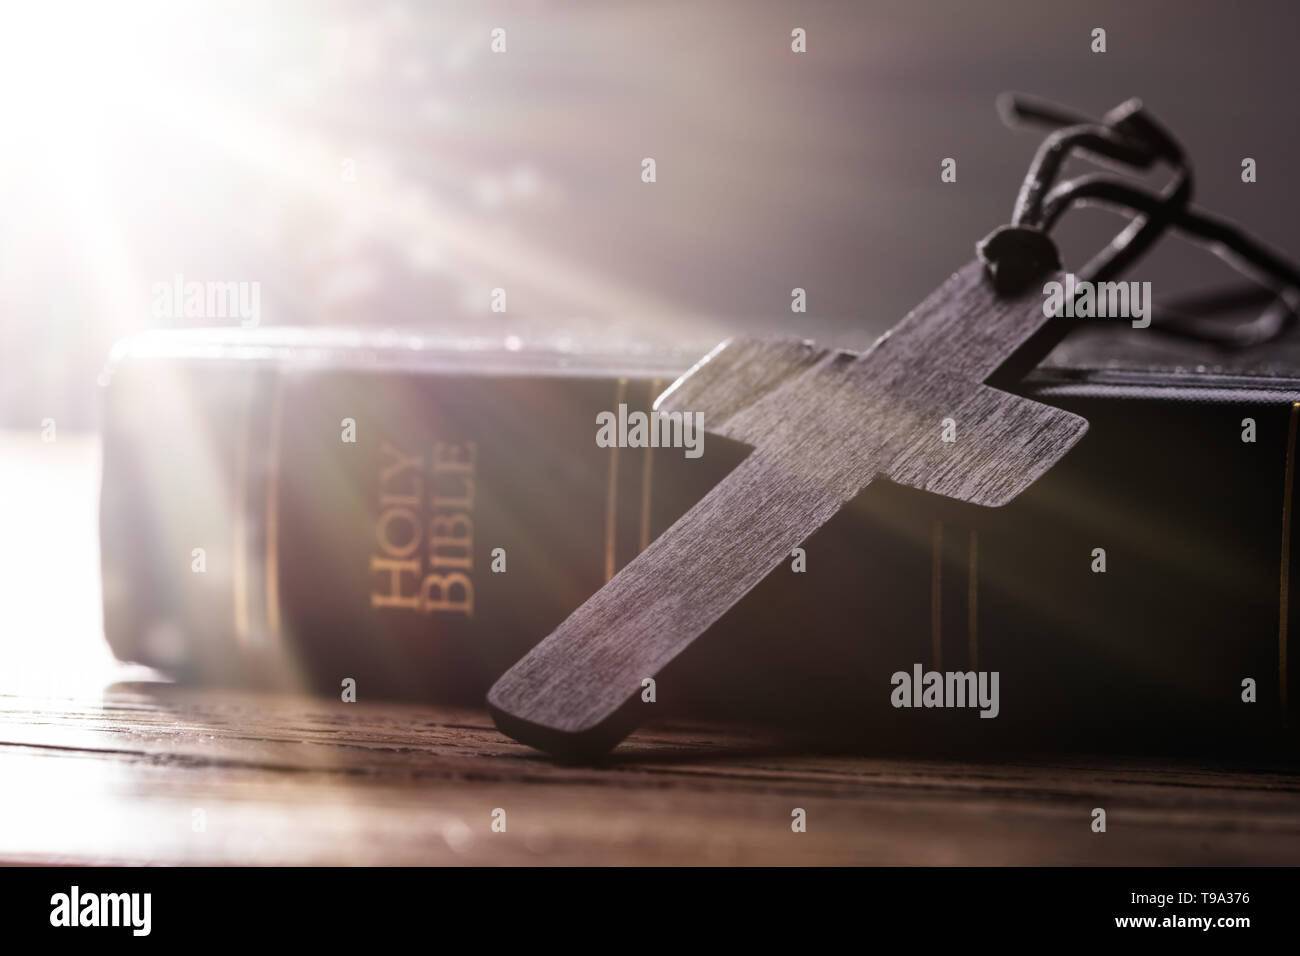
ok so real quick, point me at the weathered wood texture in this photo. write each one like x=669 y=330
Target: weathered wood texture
x=823 y=424
x=290 y=780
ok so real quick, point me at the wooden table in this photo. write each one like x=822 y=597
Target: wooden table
x=152 y=773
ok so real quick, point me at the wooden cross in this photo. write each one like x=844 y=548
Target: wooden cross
x=823 y=424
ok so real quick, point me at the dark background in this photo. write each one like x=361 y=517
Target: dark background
x=142 y=140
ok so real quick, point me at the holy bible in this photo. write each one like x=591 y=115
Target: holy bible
x=408 y=517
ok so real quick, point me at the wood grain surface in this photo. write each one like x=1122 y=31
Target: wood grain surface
x=823 y=424
x=294 y=780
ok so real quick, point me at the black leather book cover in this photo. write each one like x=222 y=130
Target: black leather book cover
x=309 y=507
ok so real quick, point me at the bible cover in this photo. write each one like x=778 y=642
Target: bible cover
x=309 y=506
